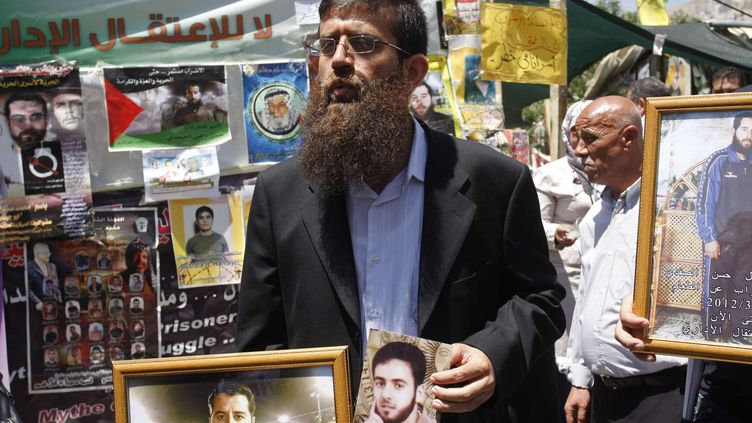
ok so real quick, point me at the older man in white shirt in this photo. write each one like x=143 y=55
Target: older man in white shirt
x=607 y=379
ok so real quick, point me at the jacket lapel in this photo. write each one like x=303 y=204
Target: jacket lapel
x=325 y=220
x=447 y=216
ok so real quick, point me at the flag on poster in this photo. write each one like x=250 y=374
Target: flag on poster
x=274 y=97
x=166 y=107
x=45 y=189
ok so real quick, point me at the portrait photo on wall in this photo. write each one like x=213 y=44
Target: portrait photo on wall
x=44 y=167
x=180 y=173
x=694 y=275
x=208 y=238
x=432 y=101
x=91 y=300
x=274 y=96
x=166 y=107
x=306 y=385
x=396 y=383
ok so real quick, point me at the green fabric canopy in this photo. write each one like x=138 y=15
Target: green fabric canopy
x=593 y=33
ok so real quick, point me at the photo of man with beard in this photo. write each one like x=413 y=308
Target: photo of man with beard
x=279 y=116
x=421 y=104
x=194 y=110
x=723 y=208
x=399 y=370
x=381 y=222
x=26 y=114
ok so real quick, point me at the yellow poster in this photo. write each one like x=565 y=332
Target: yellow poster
x=461 y=16
x=523 y=43
x=208 y=238
x=652 y=12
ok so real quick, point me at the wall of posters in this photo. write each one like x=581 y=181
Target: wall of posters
x=44 y=187
x=166 y=107
x=274 y=97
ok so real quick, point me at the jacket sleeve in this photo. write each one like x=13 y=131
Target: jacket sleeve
x=526 y=325
x=261 y=320
x=707 y=198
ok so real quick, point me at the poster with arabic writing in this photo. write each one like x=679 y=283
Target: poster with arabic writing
x=45 y=189
x=274 y=101
x=92 y=301
x=166 y=107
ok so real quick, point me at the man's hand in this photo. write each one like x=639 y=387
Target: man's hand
x=629 y=325
x=473 y=379
x=576 y=407
x=560 y=237
x=372 y=416
x=713 y=250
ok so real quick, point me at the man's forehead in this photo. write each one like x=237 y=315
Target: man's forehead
x=746 y=121
x=354 y=20
x=25 y=104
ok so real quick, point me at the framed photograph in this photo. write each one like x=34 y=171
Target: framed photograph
x=303 y=385
x=694 y=255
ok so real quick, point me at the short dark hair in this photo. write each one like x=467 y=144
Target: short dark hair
x=407 y=18
x=739 y=116
x=204 y=209
x=648 y=87
x=402 y=351
x=728 y=72
x=428 y=87
x=232 y=389
x=24 y=96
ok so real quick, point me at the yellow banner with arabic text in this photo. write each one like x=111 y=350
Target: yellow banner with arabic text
x=523 y=43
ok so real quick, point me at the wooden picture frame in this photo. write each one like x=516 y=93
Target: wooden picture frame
x=689 y=167
x=288 y=385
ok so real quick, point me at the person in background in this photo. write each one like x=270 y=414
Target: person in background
x=231 y=403
x=565 y=195
x=727 y=80
x=643 y=88
x=608 y=382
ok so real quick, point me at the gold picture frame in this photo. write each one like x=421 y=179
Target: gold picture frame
x=312 y=384
x=674 y=277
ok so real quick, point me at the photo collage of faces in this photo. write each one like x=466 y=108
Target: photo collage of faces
x=96 y=316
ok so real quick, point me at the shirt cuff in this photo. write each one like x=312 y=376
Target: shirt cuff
x=580 y=376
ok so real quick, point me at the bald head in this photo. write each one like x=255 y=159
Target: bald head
x=610 y=144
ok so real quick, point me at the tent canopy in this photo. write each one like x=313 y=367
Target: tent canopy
x=593 y=33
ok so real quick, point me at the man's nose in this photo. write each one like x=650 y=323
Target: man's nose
x=580 y=150
x=342 y=60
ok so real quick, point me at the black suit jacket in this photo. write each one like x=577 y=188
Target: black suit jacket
x=485 y=278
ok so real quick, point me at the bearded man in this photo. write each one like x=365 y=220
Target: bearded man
x=279 y=117
x=723 y=198
x=381 y=222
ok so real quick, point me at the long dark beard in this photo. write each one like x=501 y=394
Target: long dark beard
x=737 y=146
x=359 y=140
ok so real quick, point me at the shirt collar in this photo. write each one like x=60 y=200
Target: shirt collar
x=627 y=199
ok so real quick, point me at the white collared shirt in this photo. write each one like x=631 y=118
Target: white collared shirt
x=608 y=242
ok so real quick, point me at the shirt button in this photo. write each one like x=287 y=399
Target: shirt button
x=376 y=259
x=374 y=314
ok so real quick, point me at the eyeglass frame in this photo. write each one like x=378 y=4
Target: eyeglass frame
x=345 y=44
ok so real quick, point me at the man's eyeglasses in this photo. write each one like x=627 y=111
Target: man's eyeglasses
x=357 y=44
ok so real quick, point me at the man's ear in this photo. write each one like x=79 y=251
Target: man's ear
x=415 y=68
x=630 y=135
x=420 y=393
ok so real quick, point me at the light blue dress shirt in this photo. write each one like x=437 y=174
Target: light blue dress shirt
x=386 y=229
